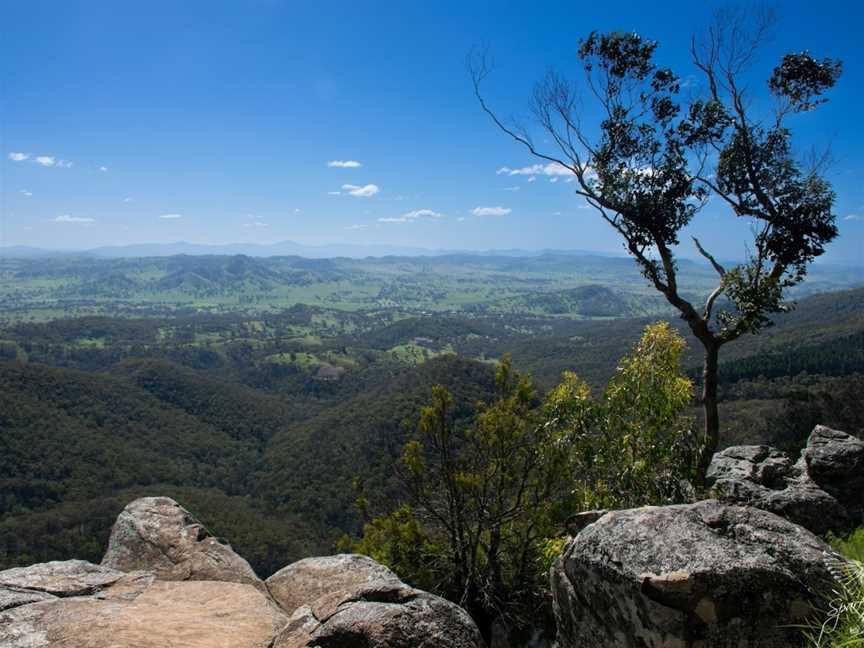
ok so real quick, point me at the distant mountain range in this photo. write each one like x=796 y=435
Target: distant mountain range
x=281 y=248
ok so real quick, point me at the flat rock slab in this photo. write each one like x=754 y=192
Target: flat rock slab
x=11 y=597
x=703 y=574
x=61 y=578
x=305 y=581
x=144 y=613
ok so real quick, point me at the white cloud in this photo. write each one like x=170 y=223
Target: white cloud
x=514 y=188
x=127 y=199
x=411 y=216
x=852 y=217
x=170 y=216
x=553 y=179
x=344 y=164
x=256 y=223
x=103 y=168
x=66 y=218
x=491 y=211
x=26 y=193
x=361 y=192
x=532 y=179
x=46 y=160
x=334 y=193
x=551 y=169
x=584 y=206
x=18 y=157
x=356 y=226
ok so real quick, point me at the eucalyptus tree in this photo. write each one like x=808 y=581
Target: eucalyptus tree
x=654 y=158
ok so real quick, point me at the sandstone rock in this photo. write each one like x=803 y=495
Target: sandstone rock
x=158 y=535
x=822 y=491
x=143 y=613
x=380 y=614
x=703 y=574
x=303 y=582
x=60 y=578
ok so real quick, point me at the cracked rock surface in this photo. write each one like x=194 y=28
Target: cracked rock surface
x=821 y=491
x=694 y=575
x=158 y=535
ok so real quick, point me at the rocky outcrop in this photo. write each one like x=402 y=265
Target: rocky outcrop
x=158 y=535
x=704 y=574
x=821 y=491
x=381 y=613
x=307 y=580
x=147 y=613
x=165 y=581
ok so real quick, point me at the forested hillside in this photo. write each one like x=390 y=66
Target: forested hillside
x=261 y=420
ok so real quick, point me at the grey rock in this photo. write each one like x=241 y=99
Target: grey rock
x=157 y=535
x=380 y=614
x=704 y=574
x=11 y=597
x=60 y=578
x=305 y=581
x=821 y=491
x=835 y=461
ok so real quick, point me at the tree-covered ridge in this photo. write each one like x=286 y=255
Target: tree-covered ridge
x=230 y=413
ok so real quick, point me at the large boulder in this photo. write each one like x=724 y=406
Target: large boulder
x=142 y=612
x=835 y=461
x=305 y=581
x=158 y=535
x=380 y=614
x=821 y=491
x=704 y=574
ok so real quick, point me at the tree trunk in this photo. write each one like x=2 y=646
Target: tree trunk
x=709 y=405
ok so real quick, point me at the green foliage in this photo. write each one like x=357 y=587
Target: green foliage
x=852 y=546
x=632 y=446
x=842 y=624
x=486 y=501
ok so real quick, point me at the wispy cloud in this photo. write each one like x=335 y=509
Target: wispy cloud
x=852 y=217
x=127 y=199
x=356 y=226
x=334 y=193
x=26 y=193
x=514 y=188
x=344 y=164
x=41 y=160
x=256 y=223
x=411 y=216
x=361 y=192
x=551 y=169
x=103 y=168
x=491 y=211
x=66 y=218
x=170 y=216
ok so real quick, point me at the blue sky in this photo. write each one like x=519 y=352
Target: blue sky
x=214 y=122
